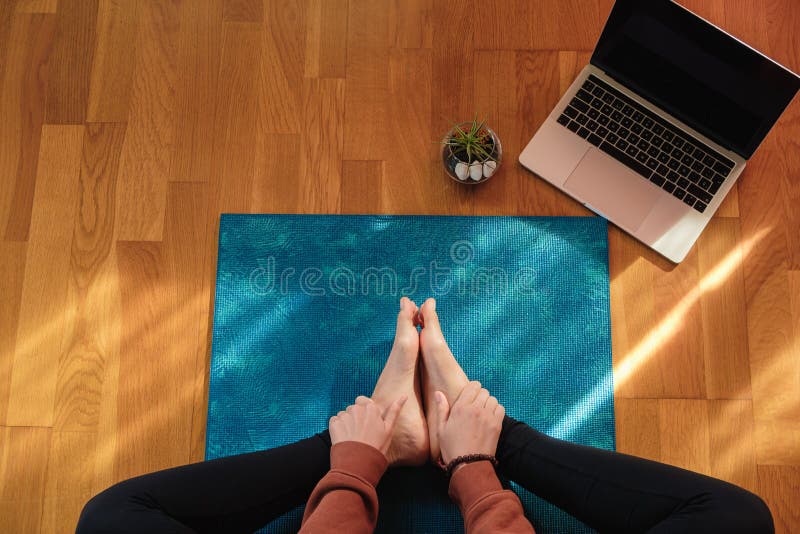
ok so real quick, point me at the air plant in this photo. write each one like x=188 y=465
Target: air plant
x=475 y=142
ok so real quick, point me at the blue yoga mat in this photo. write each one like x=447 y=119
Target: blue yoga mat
x=305 y=314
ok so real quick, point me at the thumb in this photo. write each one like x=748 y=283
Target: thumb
x=393 y=412
x=442 y=409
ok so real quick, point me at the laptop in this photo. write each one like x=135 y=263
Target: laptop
x=654 y=132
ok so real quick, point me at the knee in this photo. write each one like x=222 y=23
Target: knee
x=102 y=513
x=755 y=514
x=94 y=517
x=740 y=511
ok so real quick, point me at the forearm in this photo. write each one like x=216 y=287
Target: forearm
x=484 y=504
x=345 y=499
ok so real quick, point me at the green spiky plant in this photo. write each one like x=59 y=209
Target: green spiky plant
x=475 y=142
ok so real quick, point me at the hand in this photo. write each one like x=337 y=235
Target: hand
x=364 y=422
x=472 y=425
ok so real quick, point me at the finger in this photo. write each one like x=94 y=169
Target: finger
x=481 y=398
x=361 y=400
x=394 y=412
x=442 y=409
x=491 y=403
x=500 y=411
x=333 y=428
x=469 y=392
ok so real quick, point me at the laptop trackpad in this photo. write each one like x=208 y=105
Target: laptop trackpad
x=613 y=189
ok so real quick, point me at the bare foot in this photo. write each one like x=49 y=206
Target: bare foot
x=440 y=370
x=400 y=376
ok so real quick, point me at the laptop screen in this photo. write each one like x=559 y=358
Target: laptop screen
x=698 y=73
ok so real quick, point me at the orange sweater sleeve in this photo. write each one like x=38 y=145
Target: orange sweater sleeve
x=484 y=504
x=345 y=499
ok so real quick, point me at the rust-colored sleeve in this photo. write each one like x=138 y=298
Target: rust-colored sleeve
x=345 y=499
x=484 y=504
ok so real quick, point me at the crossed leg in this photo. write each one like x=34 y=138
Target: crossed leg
x=243 y=492
x=607 y=490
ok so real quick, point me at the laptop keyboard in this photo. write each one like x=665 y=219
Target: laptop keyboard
x=670 y=158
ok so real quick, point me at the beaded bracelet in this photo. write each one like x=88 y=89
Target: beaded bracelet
x=465 y=459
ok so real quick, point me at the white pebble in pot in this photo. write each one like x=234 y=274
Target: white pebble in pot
x=476 y=171
x=489 y=168
x=462 y=171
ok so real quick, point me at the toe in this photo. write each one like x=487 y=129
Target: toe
x=406 y=335
x=431 y=336
x=429 y=317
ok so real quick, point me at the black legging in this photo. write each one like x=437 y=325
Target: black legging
x=609 y=491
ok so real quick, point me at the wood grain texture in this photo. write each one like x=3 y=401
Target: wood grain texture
x=186 y=233
x=726 y=365
x=279 y=90
x=29 y=44
x=732 y=445
x=683 y=428
x=410 y=162
x=321 y=146
x=188 y=226
x=333 y=39
x=638 y=431
x=68 y=481
x=539 y=92
x=182 y=110
x=199 y=50
x=36 y=6
x=729 y=206
x=411 y=23
x=789 y=145
x=237 y=95
x=572 y=24
x=770 y=334
x=106 y=429
x=23 y=467
x=151 y=376
x=112 y=61
x=70 y=67
x=6 y=19
x=91 y=333
x=44 y=310
x=779 y=486
x=12 y=271
x=150 y=139
x=367 y=102
x=242 y=10
x=361 y=187
x=274 y=188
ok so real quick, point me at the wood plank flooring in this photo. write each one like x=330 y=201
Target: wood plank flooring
x=128 y=126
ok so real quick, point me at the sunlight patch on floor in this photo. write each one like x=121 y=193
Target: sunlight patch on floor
x=666 y=329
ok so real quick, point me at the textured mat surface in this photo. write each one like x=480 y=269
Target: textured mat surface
x=304 y=319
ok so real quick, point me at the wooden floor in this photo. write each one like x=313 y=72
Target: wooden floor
x=128 y=126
